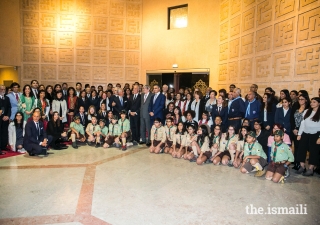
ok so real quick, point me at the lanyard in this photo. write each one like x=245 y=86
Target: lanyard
x=156 y=134
x=169 y=132
x=226 y=148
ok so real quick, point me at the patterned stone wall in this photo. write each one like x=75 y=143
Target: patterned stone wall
x=90 y=41
x=270 y=42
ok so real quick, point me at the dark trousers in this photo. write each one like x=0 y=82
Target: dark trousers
x=236 y=124
x=3 y=133
x=39 y=149
x=144 y=128
x=296 y=146
x=135 y=127
x=308 y=143
x=54 y=140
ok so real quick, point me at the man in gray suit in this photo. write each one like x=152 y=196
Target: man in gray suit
x=144 y=114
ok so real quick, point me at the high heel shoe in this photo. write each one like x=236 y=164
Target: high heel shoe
x=308 y=173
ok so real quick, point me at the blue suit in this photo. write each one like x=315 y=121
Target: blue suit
x=236 y=112
x=283 y=120
x=253 y=112
x=14 y=104
x=33 y=137
x=223 y=114
x=157 y=107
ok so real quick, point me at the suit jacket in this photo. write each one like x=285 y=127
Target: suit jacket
x=118 y=107
x=5 y=106
x=14 y=104
x=144 y=110
x=84 y=122
x=84 y=103
x=95 y=102
x=56 y=107
x=100 y=116
x=65 y=95
x=134 y=105
x=157 y=107
x=283 y=120
x=32 y=136
x=223 y=113
x=111 y=99
x=270 y=116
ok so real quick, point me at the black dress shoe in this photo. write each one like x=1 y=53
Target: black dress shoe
x=63 y=147
x=296 y=166
x=135 y=143
x=148 y=144
x=141 y=143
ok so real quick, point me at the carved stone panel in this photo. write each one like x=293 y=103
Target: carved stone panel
x=224 y=51
x=30 y=19
x=133 y=26
x=247 y=44
x=83 y=56
x=48 y=5
x=30 y=72
x=284 y=33
x=133 y=10
x=233 y=70
x=48 y=72
x=66 y=55
x=223 y=72
x=48 y=37
x=116 y=58
x=263 y=39
x=283 y=64
x=224 y=10
x=264 y=12
x=246 y=68
x=235 y=6
x=30 y=4
x=132 y=42
x=100 y=24
x=65 y=72
x=132 y=74
x=100 y=40
x=65 y=39
x=30 y=37
x=263 y=66
x=48 y=55
x=117 y=8
x=224 y=32
x=116 y=41
x=99 y=72
x=117 y=25
x=235 y=26
x=83 y=73
x=101 y=7
x=308 y=60
x=248 y=19
x=309 y=26
x=284 y=7
x=132 y=58
x=100 y=56
x=234 y=48
x=83 y=39
x=30 y=54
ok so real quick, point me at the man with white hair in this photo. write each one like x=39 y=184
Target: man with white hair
x=119 y=102
x=144 y=115
x=165 y=89
x=236 y=110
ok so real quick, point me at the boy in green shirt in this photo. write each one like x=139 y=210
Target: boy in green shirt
x=254 y=157
x=113 y=135
x=102 y=133
x=124 y=124
x=76 y=132
x=281 y=157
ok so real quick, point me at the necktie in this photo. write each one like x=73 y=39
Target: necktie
x=93 y=98
x=82 y=118
x=104 y=114
x=219 y=109
x=17 y=97
x=134 y=97
x=35 y=93
x=155 y=98
x=83 y=99
x=121 y=101
x=38 y=131
x=145 y=97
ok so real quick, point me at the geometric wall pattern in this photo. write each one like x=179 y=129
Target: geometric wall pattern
x=90 y=41
x=273 y=42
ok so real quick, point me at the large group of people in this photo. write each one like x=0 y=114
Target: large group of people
x=242 y=130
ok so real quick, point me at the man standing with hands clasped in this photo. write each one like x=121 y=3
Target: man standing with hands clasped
x=134 y=105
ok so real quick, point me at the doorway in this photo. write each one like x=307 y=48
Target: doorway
x=179 y=80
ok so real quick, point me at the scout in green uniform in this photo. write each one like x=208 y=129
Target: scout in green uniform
x=215 y=140
x=91 y=130
x=124 y=125
x=102 y=133
x=76 y=132
x=170 y=130
x=113 y=135
x=191 y=137
x=240 y=145
x=157 y=137
x=281 y=157
x=254 y=157
x=179 y=141
x=202 y=144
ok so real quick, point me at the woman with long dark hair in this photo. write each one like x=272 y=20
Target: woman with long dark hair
x=60 y=105
x=26 y=102
x=202 y=145
x=309 y=136
x=296 y=119
x=179 y=141
x=283 y=94
x=177 y=115
x=283 y=115
x=268 y=111
x=43 y=104
x=56 y=131
x=16 y=133
x=72 y=101
x=197 y=105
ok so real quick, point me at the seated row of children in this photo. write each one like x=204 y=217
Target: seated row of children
x=98 y=134
x=238 y=151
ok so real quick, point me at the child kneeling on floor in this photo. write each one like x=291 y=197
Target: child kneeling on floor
x=170 y=130
x=76 y=132
x=281 y=157
x=91 y=130
x=124 y=125
x=254 y=157
x=102 y=133
x=157 y=137
x=113 y=136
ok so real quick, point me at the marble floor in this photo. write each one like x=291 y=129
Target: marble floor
x=109 y=186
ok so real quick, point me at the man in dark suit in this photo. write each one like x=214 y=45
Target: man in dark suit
x=144 y=115
x=65 y=91
x=5 y=113
x=236 y=110
x=156 y=105
x=119 y=103
x=134 y=105
x=83 y=117
x=36 y=140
